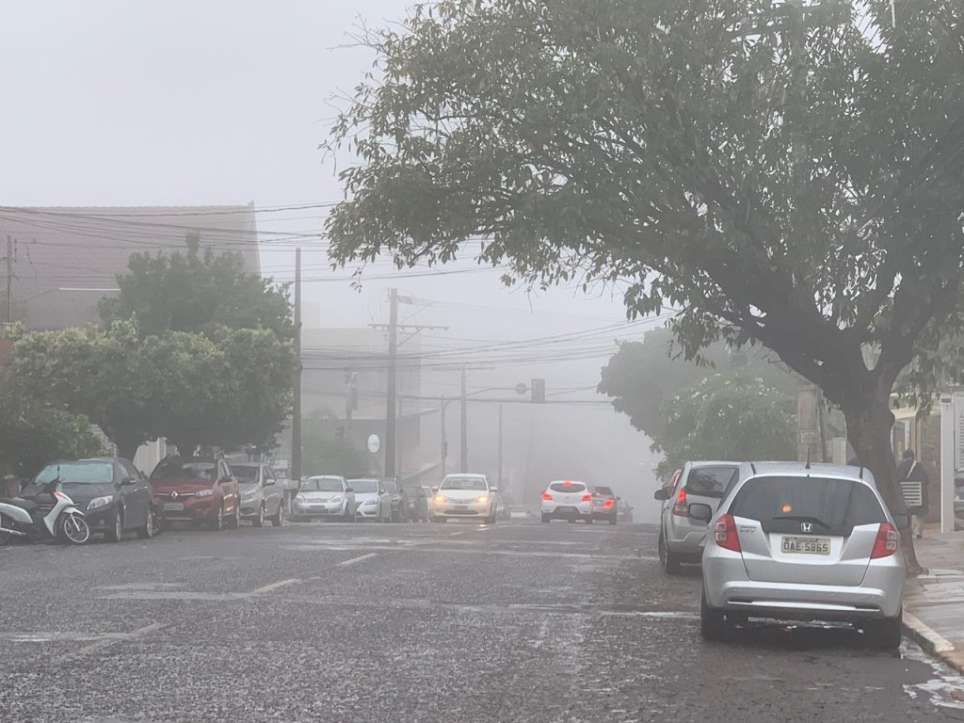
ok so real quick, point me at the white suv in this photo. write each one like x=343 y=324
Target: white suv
x=567 y=500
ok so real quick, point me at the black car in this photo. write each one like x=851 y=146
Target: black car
x=604 y=504
x=416 y=504
x=112 y=493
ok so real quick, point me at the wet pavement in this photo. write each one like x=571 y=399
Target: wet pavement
x=345 y=622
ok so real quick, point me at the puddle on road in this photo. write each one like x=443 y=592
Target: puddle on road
x=944 y=690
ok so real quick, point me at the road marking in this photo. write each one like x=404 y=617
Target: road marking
x=133 y=635
x=352 y=561
x=457 y=534
x=321 y=547
x=275 y=585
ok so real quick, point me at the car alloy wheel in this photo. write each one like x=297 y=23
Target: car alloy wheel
x=259 y=520
x=279 y=519
x=147 y=531
x=116 y=533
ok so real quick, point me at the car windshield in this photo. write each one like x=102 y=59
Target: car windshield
x=571 y=487
x=711 y=481
x=323 y=484
x=246 y=473
x=77 y=472
x=463 y=483
x=364 y=485
x=603 y=491
x=192 y=471
x=833 y=506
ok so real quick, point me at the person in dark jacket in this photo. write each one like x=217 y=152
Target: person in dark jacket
x=913 y=479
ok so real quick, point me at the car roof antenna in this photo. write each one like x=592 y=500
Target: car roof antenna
x=752 y=467
x=861 y=471
x=807 y=465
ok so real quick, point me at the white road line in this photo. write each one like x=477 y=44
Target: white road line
x=133 y=635
x=457 y=534
x=276 y=585
x=541 y=635
x=352 y=561
x=480 y=551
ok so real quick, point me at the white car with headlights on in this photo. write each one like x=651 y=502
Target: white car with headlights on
x=464 y=496
x=325 y=496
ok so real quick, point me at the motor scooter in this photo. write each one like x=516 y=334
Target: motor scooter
x=48 y=515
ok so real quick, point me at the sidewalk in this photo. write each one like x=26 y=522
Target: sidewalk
x=934 y=603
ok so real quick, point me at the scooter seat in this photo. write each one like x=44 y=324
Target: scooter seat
x=24 y=504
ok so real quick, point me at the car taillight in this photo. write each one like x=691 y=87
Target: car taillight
x=587 y=498
x=726 y=535
x=887 y=542
x=546 y=497
x=608 y=503
x=681 y=508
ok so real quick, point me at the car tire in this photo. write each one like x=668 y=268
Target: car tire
x=667 y=559
x=712 y=621
x=546 y=518
x=885 y=634
x=490 y=520
x=279 y=518
x=440 y=520
x=147 y=531
x=259 y=518
x=116 y=532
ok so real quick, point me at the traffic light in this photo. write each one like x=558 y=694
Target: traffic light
x=538 y=388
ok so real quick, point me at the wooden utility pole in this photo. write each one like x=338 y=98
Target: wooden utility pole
x=8 y=308
x=444 y=439
x=296 y=471
x=500 y=448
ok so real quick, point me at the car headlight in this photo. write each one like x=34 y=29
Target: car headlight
x=335 y=500
x=441 y=499
x=482 y=499
x=98 y=502
x=204 y=493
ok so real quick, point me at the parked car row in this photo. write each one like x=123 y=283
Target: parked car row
x=785 y=541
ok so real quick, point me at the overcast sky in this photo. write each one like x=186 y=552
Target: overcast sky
x=115 y=102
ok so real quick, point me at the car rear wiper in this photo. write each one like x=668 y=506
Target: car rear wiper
x=802 y=518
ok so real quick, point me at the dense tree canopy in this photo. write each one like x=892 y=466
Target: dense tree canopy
x=781 y=172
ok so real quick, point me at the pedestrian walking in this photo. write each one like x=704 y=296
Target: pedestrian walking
x=913 y=479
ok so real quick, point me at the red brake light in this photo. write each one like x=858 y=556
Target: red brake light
x=726 y=535
x=608 y=503
x=681 y=508
x=887 y=542
x=587 y=498
x=546 y=497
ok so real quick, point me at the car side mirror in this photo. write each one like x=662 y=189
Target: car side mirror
x=128 y=481
x=435 y=490
x=269 y=482
x=701 y=512
x=349 y=490
x=493 y=489
x=660 y=494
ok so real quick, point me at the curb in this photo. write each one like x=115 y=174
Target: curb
x=932 y=642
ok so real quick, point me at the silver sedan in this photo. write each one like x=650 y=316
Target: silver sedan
x=803 y=543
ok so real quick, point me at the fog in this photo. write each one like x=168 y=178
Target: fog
x=119 y=103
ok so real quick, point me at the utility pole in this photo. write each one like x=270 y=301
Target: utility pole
x=464 y=457
x=445 y=442
x=391 y=418
x=500 y=447
x=8 y=308
x=296 y=470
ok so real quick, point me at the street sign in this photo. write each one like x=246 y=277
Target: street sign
x=374 y=443
x=521 y=388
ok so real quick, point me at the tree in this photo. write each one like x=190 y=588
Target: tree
x=197 y=292
x=323 y=454
x=644 y=377
x=728 y=417
x=32 y=434
x=782 y=173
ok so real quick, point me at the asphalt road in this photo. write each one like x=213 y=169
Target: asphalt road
x=455 y=622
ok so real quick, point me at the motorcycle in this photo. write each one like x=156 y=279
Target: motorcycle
x=49 y=515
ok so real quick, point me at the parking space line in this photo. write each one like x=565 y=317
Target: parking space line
x=276 y=585
x=353 y=560
x=133 y=635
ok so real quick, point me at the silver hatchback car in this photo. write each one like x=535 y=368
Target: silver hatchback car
x=803 y=542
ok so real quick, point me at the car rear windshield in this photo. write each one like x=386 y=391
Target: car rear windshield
x=195 y=471
x=711 y=481
x=463 y=483
x=245 y=472
x=603 y=491
x=831 y=506
x=567 y=487
x=322 y=484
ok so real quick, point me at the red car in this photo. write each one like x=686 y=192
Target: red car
x=200 y=490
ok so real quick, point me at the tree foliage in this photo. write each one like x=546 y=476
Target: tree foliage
x=324 y=454
x=195 y=292
x=780 y=172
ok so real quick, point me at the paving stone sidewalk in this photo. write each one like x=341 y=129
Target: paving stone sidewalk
x=934 y=602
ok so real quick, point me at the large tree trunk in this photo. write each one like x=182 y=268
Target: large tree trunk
x=869 y=428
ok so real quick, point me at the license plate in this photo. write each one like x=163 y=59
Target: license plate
x=461 y=508
x=806 y=545
x=174 y=507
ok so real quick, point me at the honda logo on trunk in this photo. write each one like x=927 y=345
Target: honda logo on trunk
x=806 y=527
